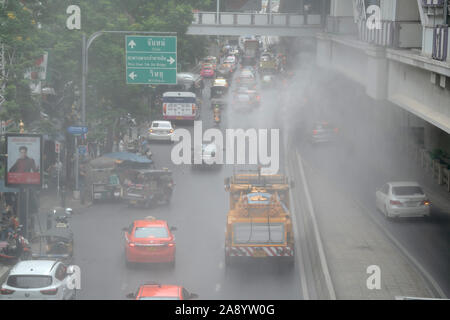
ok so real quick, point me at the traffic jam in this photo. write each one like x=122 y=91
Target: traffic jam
x=156 y=229
x=135 y=179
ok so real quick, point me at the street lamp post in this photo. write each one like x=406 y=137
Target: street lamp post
x=84 y=72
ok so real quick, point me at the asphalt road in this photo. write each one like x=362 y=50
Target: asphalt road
x=198 y=210
x=362 y=160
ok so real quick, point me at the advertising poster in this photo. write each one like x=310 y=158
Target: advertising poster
x=24 y=159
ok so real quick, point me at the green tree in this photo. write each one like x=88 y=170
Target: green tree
x=30 y=27
x=18 y=36
x=109 y=98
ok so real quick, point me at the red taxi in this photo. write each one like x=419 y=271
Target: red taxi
x=207 y=72
x=155 y=291
x=148 y=241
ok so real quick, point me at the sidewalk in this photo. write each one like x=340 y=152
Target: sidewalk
x=49 y=201
x=353 y=242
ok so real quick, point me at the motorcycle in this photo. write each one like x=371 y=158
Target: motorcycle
x=216 y=112
x=59 y=218
x=15 y=248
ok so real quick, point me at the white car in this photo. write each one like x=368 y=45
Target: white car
x=160 y=130
x=208 y=152
x=402 y=199
x=230 y=59
x=39 y=280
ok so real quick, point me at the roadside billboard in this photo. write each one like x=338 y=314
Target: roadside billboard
x=24 y=160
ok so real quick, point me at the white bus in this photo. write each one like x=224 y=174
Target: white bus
x=180 y=106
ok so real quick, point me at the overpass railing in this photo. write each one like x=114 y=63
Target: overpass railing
x=256 y=19
x=438 y=167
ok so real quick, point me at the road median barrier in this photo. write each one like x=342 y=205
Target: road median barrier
x=315 y=251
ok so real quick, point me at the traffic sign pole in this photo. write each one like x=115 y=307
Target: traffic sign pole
x=85 y=68
x=85 y=60
x=151 y=59
x=76 y=169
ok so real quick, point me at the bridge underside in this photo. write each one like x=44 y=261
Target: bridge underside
x=233 y=30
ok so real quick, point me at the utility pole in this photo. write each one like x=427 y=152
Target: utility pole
x=217 y=11
x=3 y=74
x=445 y=12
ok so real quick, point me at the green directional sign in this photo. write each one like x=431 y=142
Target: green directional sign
x=151 y=59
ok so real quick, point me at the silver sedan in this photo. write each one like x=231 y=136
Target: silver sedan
x=402 y=199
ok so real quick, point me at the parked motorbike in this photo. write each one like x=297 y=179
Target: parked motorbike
x=15 y=248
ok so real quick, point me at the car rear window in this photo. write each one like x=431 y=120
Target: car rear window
x=407 y=191
x=148 y=232
x=29 y=282
x=323 y=126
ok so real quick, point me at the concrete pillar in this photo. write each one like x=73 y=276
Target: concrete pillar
x=341 y=8
x=341 y=18
x=377 y=73
x=323 y=52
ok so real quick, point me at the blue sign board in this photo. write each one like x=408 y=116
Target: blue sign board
x=82 y=150
x=77 y=130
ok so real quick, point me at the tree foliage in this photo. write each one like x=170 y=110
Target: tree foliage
x=108 y=95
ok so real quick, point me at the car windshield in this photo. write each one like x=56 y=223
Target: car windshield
x=151 y=232
x=29 y=281
x=160 y=125
x=258 y=233
x=407 y=191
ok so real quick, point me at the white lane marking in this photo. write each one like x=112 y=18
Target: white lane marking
x=323 y=259
x=218 y=287
x=221 y=265
x=298 y=253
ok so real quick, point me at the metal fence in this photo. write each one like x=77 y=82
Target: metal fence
x=434 y=167
x=256 y=19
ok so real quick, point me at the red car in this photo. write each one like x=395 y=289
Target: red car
x=155 y=291
x=207 y=72
x=148 y=241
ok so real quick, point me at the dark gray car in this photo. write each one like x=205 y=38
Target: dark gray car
x=323 y=132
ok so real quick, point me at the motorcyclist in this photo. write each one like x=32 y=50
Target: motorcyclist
x=216 y=113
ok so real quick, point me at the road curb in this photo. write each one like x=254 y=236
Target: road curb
x=315 y=251
x=312 y=222
x=299 y=253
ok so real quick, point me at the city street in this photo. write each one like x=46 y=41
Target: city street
x=362 y=159
x=198 y=210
